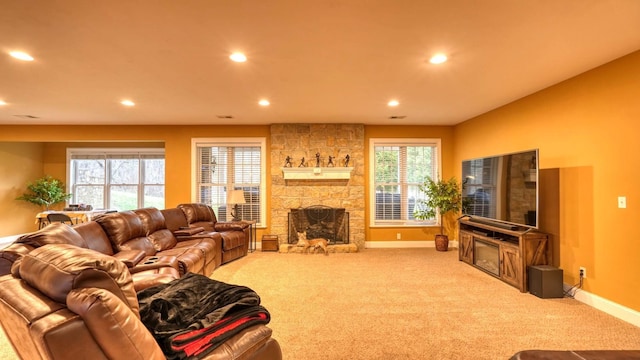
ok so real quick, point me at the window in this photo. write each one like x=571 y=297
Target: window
x=229 y=164
x=399 y=166
x=120 y=179
x=481 y=187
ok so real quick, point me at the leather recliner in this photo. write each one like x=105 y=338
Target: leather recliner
x=235 y=234
x=62 y=301
x=144 y=230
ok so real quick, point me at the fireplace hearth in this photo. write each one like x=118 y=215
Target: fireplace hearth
x=319 y=221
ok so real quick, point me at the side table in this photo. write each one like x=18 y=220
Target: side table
x=270 y=243
x=252 y=234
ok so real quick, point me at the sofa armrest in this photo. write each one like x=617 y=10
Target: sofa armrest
x=130 y=257
x=155 y=263
x=253 y=343
x=230 y=226
x=188 y=231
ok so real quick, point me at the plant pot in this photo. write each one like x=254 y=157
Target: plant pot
x=442 y=242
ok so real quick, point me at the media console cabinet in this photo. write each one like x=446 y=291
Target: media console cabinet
x=503 y=251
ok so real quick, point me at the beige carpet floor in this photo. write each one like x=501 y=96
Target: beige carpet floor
x=409 y=304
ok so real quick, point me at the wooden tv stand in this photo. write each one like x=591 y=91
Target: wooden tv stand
x=503 y=251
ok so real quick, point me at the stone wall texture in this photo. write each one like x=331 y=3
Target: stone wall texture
x=305 y=140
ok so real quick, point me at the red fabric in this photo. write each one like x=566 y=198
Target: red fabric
x=197 y=341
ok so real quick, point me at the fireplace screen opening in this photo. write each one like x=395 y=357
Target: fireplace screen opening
x=487 y=257
x=319 y=221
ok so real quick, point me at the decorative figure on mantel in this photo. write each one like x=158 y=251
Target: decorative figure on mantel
x=330 y=164
x=317 y=159
x=346 y=160
x=287 y=162
x=302 y=163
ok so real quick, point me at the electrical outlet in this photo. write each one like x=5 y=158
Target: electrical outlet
x=622 y=202
x=583 y=272
x=398 y=236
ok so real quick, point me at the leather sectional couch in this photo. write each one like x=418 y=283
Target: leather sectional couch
x=62 y=301
x=151 y=242
x=151 y=246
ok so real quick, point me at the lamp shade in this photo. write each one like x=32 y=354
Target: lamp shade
x=236 y=197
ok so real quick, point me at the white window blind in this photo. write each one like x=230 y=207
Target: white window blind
x=224 y=165
x=399 y=167
x=121 y=179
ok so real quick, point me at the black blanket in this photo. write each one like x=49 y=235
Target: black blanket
x=191 y=316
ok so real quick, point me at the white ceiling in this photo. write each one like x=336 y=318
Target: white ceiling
x=317 y=61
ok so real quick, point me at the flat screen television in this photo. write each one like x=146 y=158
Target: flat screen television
x=502 y=189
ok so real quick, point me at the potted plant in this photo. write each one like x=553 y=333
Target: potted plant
x=441 y=198
x=45 y=191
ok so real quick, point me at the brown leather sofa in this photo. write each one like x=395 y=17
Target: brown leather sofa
x=151 y=242
x=62 y=301
x=144 y=230
x=235 y=234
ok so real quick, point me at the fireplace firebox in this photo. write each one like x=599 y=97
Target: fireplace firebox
x=319 y=221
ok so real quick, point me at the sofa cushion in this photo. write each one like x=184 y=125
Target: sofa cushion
x=125 y=231
x=197 y=213
x=58 y=268
x=162 y=239
x=207 y=245
x=54 y=233
x=190 y=259
x=95 y=237
x=232 y=240
x=154 y=226
x=174 y=219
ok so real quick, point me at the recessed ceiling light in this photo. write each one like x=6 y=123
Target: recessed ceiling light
x=238 y=57
x=438 y=59
x=264 y=102
x=127 y=103
x=21 y=55
x=393 y=103
x=2 y=103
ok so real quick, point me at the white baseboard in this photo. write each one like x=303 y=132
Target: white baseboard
x=405 y=244
x=614 y=309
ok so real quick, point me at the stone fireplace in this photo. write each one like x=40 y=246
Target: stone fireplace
x=319 y=221
x=325 y=148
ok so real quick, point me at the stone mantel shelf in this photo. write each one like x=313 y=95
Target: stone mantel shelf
x=316 y=173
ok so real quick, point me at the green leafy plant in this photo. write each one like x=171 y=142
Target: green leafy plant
x=441 y=197
x=45 y=191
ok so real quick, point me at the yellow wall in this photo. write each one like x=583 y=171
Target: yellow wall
x=587 y=127
x=176 y=139
x=445 y=134
x=177 y=143
x=20 y=163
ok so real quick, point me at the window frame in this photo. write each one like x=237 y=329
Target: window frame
x=260 y=142
x=401 y=142
x=105 y=153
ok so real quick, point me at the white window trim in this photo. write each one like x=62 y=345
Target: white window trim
x=102 y=151
x=373 y=142
x=232 y=141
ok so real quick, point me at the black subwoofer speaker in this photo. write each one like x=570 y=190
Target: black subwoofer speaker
x=545 y=281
